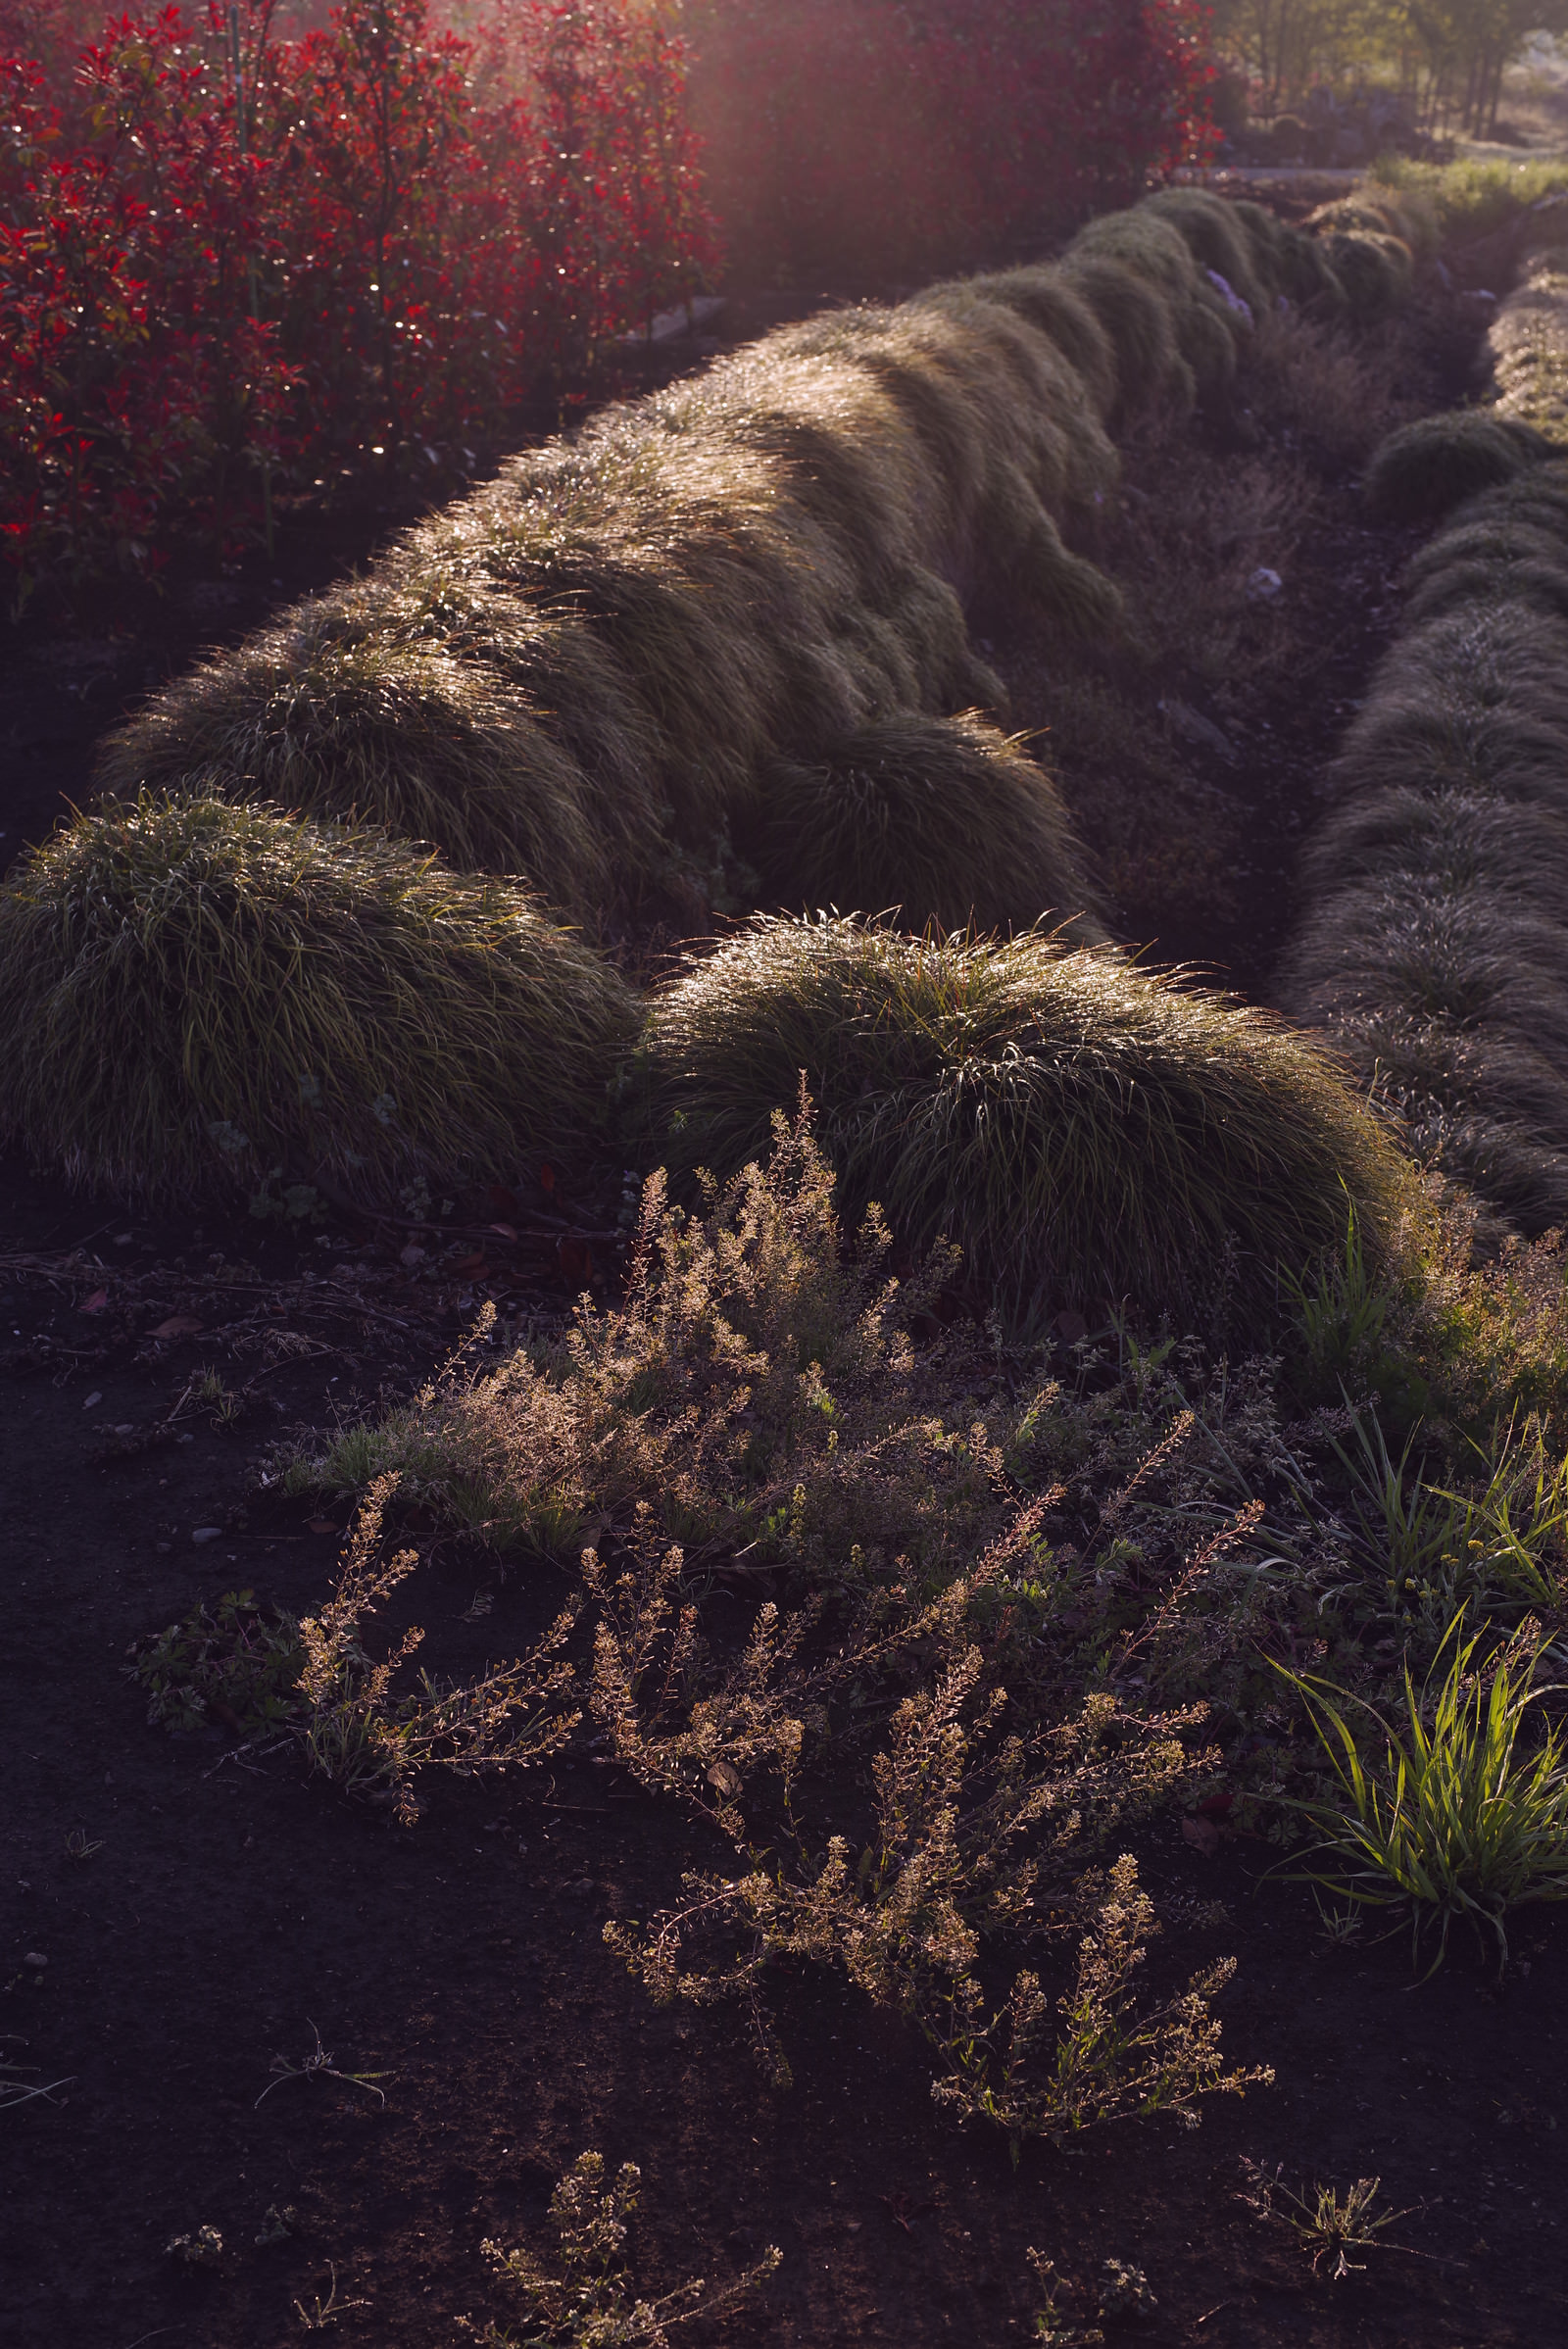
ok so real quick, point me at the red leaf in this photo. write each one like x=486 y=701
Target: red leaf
x=98 y=1303
x=502 y=1201
x=547 y=1178
x=321 y=1525
x=575 y=1259
x=473 y=1263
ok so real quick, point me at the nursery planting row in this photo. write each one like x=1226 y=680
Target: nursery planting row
x=1062 y=1482
x=1431 y=948
x=719 y=638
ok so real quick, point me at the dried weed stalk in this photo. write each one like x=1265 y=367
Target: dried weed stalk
x=978 y=1831
x=367 y=1738
x=589 y=2304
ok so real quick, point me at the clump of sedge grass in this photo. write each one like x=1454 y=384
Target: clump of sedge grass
x=1082 y=1129
x=1434 y=463
x=198 y=995
x=1452 y=1814
x=946 y=819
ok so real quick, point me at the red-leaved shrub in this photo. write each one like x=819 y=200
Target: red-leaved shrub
x=228 y=261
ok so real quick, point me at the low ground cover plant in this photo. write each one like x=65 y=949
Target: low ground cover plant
x=202 y=998
x=1084 y=1131
x=233 y=1661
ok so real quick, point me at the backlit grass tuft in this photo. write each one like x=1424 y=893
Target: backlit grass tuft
x=944 y=819
x=199 y=994
x=1089 y=1133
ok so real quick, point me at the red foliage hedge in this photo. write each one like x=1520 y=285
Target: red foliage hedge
x=228 y=263
x=851 y=138
x=231 y=264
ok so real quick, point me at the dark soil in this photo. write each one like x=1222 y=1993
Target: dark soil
x=226 y=1909
x=229 y=1909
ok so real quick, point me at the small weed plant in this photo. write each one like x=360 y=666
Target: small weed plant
x=1326 y=2223
x=370 y=1740
x=233 y=1661
x=584 y=2298
x=1458 y=1812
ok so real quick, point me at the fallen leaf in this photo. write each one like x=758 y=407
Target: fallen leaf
x=179 y=1325
x=473 y=1263
x=94 y=1399
x=547 y=1178
x=1203 y=1835
x=501 y=1202
x=575 y=1259
x=412 y=1255
x=506 y=1229
x=98 y=1303
x=725 y=1777
x=1216 y=1806
x=321 y=1525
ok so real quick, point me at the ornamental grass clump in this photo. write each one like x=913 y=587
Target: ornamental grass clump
x=1088 y=1133
x=198 y=996
x=1432 y=945
x=944 y=819
x=1425 y=469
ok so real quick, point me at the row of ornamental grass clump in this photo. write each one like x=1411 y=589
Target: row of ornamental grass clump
x=727 y=622
x=679 y=638
x=1431 y=945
